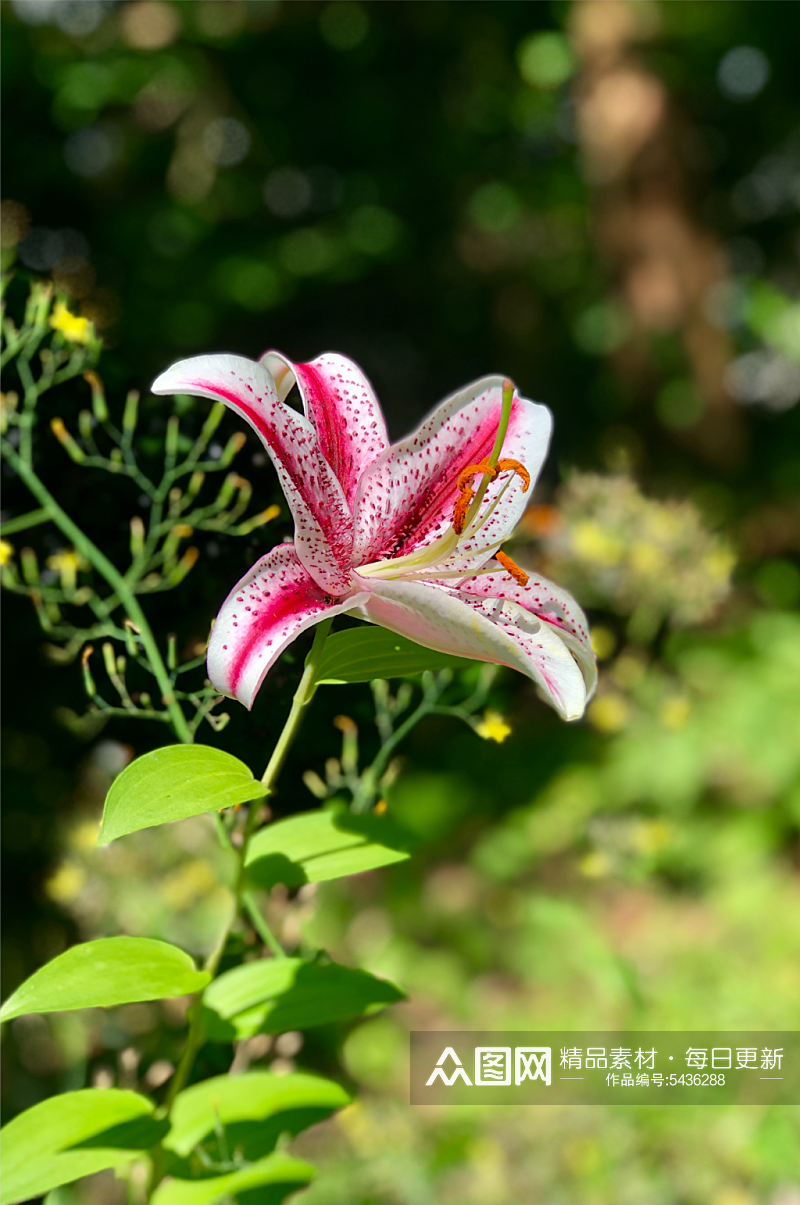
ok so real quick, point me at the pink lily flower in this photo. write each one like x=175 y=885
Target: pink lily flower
x=406 y=535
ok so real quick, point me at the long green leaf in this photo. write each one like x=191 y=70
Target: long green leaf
x=363 y=654
x=255 y=1109
x=74 y=1135
x=276 y=994
x=102 y=973
x=172 y=784
x=278 y=1171
x=326 y=844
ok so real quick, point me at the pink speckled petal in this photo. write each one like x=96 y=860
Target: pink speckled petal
x=341 y=403
x=323 y=523
x=406 y=498
x=272 y=604
x=544 y=600
x=484 y=629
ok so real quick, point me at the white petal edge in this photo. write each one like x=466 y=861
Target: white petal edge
x=323 y=524
x=269 y=607
x=439 y=619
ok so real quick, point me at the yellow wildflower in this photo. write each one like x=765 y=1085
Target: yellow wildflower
x=647 y=558
x=651 y=836
x=66 y=563
x=493 y=727
x=719 y=563
x=592 y=543
x=674 y=712
x=6 y=552
x=596 y=864
x=74 y=328
x=609 y=713
x=603 y=642
x=66 y=883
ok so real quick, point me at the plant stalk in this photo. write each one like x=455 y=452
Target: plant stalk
x=115 y=580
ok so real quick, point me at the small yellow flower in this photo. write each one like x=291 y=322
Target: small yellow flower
x=74 y=328
x=719 y=563
x=83 y=836
x=592 y=543
x=493 y=727
x=603 y=642
x=674 y=712
x=66 y=563
x=647 y=558
x=6 y=552
x=596 y=864
x=651 y=836
x=66 y=883
x=609 y=713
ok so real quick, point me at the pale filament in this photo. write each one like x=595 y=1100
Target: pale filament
x=419 y=565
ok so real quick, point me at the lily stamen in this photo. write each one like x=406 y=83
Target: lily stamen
x=467 y=491
x=518 y=467
x=464 y=513
x=519 y=575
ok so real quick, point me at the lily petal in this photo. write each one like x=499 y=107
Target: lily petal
x=341 y=403
x=273 y=603
x=323 y=523
x=486 y=630
x=546 y=601
x=406 y=498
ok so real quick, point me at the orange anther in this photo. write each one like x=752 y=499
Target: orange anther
x=490 y=471
x=519 y=575
x=515 y=466
x=461 y=509
x=466 y=475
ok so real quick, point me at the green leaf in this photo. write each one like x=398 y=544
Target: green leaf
x=363 y=654
x=172 y=784
x=283 y=1173
x=277 y=994
x=254 y=1110
x=74 y=1135
x=100 y=974
x=326 y=844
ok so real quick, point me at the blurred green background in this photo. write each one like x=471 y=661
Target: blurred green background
x=599 y=199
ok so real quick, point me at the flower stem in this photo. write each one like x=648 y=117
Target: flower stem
x=302 y=697
x=115 y=580
x=244 y=899
x=260 y=925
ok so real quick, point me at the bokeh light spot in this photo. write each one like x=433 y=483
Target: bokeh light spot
x=601 y=328
x=545 y=60
x=374 y=230
x=743 y=72
x=219 y=18
x=778 y=583
x=149 y=24
x=226 y=141
x=44 y=249
x=92 y=150
x=287 y=192
x=494 y=207
x=308 y=252
x=172 y=232
x=344 y=25
x=78 y=18
x=15 y=222
x=679 y=404
x=252 y=284
x=766 y=378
